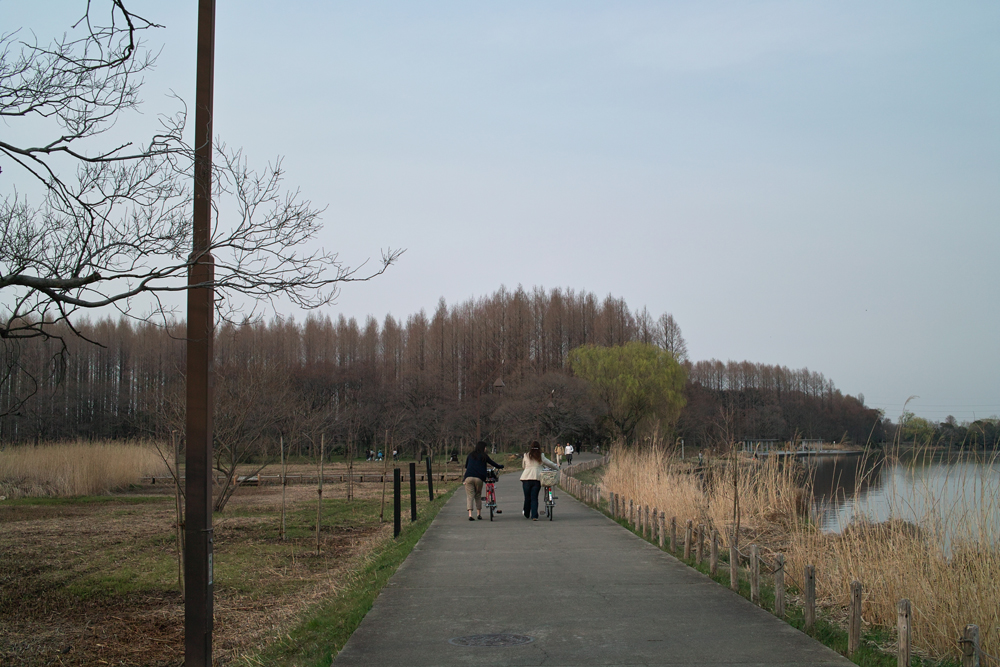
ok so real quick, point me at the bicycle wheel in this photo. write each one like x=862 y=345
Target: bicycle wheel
x=491 y=512
x=551 y=507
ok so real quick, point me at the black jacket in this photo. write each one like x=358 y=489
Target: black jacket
x=477 y=468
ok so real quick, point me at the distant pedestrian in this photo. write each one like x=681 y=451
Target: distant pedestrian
x=569 y=454
x=475 y=475
x=395 y=455
x=531 y=479
x=560 y=450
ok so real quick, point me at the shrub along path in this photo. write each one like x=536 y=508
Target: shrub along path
x=586 y=591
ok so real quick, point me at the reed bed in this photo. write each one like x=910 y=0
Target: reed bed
x=771 y=497
x=946 y=563
x=76 y=468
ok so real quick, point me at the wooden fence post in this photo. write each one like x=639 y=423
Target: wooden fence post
x=903 y=627
x=713 y=562
x=673 y=534
x=687 y=539
x=854 y=622
x=701 y=543
x=810 y=610
x=970 y=646
x=645 y=524
x=779 y=587
x=631 y=512
x=754 y=574
x=663 y=520
x=734 y=563
x=652 y=526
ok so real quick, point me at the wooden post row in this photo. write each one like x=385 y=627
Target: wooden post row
x=734 y=563
x=971 y=653
x=779 y=587
x=854 y=619
x=754 y=574
x=903 y=628
x=713 y=563
x=810 y=610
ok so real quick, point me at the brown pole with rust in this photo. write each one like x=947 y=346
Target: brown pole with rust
x=198 y=607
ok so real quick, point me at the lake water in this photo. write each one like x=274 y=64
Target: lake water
x=929 y=490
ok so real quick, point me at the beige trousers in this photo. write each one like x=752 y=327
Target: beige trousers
x=473 y=491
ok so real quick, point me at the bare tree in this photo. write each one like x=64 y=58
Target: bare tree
x=668 y=336
x=101 y=223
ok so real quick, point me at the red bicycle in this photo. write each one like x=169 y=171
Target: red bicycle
x=491 y=491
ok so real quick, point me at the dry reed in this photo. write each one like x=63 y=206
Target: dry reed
x=76 y=468
x=946 y=565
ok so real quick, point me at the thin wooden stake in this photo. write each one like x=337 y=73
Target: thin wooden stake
x=779 y=588
x=688 y=529
x=700 y=552
x=810 y=610
x=734 y=564
x=673 y=534
x=854 y=620
x=713 y=562
x=319 y=503
x=180 y=512
x=904 y=610
x=385 y=472
x=754 y=574
x=645 y=524
x=284 y=479
x=663 y=520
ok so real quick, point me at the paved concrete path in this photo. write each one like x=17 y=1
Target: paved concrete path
x=585 y=589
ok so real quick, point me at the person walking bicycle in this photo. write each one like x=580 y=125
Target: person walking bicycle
x=475 y=475
x=531 y=479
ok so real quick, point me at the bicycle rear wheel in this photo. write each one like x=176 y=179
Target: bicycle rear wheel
x=551 y=507
x=491 y=512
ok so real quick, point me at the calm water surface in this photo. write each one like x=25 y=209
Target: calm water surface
x=929 y=490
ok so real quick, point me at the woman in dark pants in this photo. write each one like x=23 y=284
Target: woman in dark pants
x=475 y=475
x=531 y=479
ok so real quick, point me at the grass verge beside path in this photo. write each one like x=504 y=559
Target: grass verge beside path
x=325 y=628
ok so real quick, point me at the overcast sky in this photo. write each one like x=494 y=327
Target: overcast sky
x=799 y=183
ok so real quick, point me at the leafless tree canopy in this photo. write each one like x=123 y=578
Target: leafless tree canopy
x=88 y=221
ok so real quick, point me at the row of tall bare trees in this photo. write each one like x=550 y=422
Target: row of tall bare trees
x=416 y=384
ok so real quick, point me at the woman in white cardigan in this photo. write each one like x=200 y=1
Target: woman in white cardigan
x=531 y=479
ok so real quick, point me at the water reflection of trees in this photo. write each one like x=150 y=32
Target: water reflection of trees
x=839 y=480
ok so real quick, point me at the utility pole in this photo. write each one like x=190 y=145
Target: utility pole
x=198 y=579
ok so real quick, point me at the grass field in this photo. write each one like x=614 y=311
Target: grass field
x=93 y=579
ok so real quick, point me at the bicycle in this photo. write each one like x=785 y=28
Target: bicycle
x=549 y=479
x=489 y=487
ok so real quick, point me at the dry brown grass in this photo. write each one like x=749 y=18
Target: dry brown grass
x=770 y=497
x=947 y=566
x=75 y=468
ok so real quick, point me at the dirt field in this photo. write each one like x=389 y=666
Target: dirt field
x=94 y=581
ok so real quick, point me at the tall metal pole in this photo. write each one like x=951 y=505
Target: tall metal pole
x=198 y=601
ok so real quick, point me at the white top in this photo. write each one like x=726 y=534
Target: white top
x=569 y=449
x=533 y=469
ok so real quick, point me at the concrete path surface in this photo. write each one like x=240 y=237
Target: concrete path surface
x=582 y=588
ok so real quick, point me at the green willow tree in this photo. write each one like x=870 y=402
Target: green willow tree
x=638 y=382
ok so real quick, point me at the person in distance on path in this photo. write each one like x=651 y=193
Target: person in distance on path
x=531 y=479
x=569 y=453
x=475 y=475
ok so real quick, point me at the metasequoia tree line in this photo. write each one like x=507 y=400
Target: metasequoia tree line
x=411 y=384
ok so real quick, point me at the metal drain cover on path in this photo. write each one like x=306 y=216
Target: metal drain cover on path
x=492 y=640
